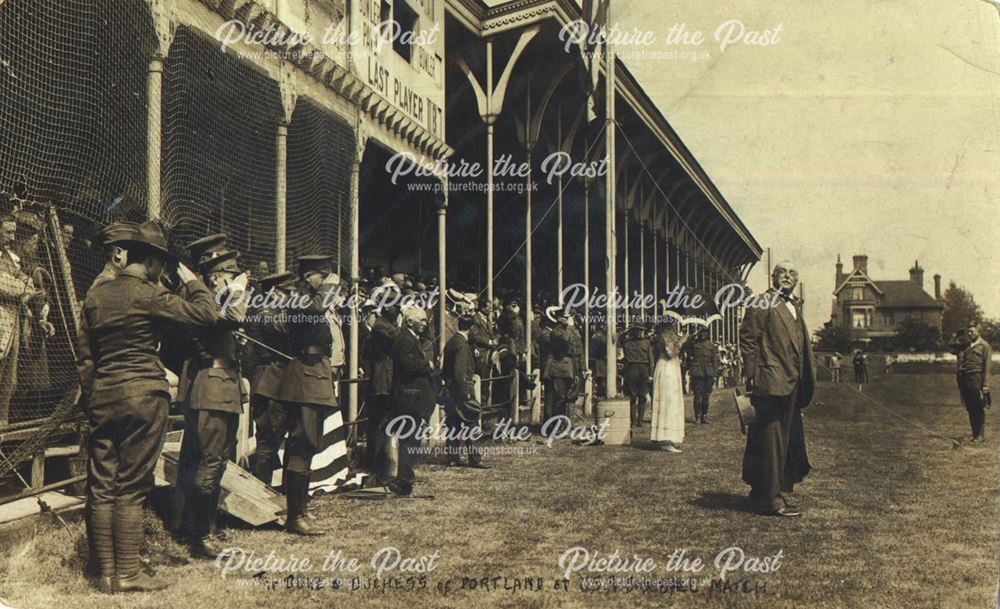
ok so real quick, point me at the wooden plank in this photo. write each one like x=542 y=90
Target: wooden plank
x=38 y=469
x=28 y=506
x=242 y=496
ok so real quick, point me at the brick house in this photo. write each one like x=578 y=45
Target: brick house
x=871 y=310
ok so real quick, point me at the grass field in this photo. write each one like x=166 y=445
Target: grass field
x=893 y=517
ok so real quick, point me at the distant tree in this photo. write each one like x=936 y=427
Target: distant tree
x=960 y=309
x=833 y=338
x=991 y=332
x=914 y=335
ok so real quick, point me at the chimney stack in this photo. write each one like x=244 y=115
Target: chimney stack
x=861 y=262
x=840 y=272
x=937 y=287
x=917 y=275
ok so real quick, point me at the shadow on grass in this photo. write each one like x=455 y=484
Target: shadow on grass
x=726 y=502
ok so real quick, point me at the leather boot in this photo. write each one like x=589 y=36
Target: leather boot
x=103 y=545
x=262 y=468
x=305 y=502
x=128 y=536
x=296 y=488
x=202 y=543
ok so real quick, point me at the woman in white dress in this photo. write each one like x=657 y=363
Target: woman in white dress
x=668 y=390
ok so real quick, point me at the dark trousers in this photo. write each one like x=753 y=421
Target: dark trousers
x=305 y=432
x=270 y=423
x=457 y=426
x=970 y=387
x=560 y=396
x=702 y=387
x=209 y=442
x=125 y=441
x=766 y=466
x=636 y=378
x=374 y=413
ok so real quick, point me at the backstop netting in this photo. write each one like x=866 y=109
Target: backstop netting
x=74 y=152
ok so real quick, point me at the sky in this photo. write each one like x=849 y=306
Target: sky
x=865 y=127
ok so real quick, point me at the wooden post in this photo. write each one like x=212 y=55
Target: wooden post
x=559 y=203
x=154 y=135
x=656 y=273
x=38 y=468
x=490 y=119
x=353 y=358
x=625 y=267
x=642 y=261
x=442 y=228
x=610 y=234
x=281 y=197
x=515 y=402
x=288 y=99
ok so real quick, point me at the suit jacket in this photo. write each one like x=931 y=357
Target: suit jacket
x=777 y=353
x=458 y=367
x=413 y=388
x=378 y=353
x=13 y=283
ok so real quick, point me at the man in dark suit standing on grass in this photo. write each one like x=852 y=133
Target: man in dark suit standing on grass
x=777 y=358
x=457 y=371
x=974 y=380
x=413 y=394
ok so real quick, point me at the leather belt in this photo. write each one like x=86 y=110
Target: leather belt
x=219 y=362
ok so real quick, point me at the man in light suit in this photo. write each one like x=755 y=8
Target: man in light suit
x=777 y=358
x=16 y=291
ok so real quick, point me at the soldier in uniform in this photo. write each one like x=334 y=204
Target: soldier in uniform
x=213 y=405
x=457 y=371
x=125 y=392
x=109 y=240
x=306 y=389
x=559 y=371
x=638 y=363
x=269 y=416
x=703 y=369
x=974 y=380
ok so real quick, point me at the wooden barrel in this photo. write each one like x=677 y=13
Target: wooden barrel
x=614 y=415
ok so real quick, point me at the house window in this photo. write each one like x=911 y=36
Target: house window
x=888 y=319
x=861 y=317
x=917 y=315
x=403 y=30
x=858 y=292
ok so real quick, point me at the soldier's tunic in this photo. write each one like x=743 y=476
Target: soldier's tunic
x=560 y=375
x=307 y=385
x=269 y=415
x=973 y=378
x=212 y=407
x=703 y=369
x=124 y=382
x=638 y=365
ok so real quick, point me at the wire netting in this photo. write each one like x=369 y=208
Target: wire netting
x=74 y=152
x=320 y=155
